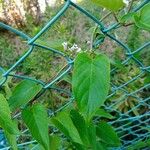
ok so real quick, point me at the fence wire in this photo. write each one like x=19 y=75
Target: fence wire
x=131 y=128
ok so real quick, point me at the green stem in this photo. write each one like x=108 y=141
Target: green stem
x=95 y=29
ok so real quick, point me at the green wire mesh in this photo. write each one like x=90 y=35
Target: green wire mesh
x=131 y=128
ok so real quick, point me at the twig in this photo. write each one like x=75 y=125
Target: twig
x=130 y=7
x=60 y=70
x=96 y=26
x=129 y=24
x=109 y=13
x=115 y=17
x=92 y=37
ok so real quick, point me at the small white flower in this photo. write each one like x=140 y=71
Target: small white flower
x=88 y=42
x=126 y=2
x=75 y=48
x=75 y=44
x=104 y=9
x=71 y=48
x=65 y=45
x=78 y=50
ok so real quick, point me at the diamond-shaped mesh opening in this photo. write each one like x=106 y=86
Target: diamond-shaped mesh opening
x=13 y=51
x=39 y=61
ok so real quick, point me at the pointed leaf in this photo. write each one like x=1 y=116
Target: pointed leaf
x=142 y=18
x=64 y=123
x=113 y=5
x=91 y=77
x=11 y=140
x=23 y=93
x=36 y=119
x=129 y=17
x=107 y=134
x=103 y=113
x=5 y=118
x=79 y=146
x=55 y=142
x=80 y=125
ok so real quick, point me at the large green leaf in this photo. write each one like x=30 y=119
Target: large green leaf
x=142 y=18
x=5 y=118
x=80 y=125
x=101 y=146
x=107 y=134
x=113 y=5
x=64 y=123
x=23 y=93
x=36 y=119
x=91 y=77
x=79 y=146
x=6 y=122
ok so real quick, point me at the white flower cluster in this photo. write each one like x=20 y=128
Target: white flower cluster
x=65 y=45
x=126 y=2
x=74 y=47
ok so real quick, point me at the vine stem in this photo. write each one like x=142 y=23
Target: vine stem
x=115 y=16
x=64 y=66
x=129 y=24
x=130 y=6
x=96 y=27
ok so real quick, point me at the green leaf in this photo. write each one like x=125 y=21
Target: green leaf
x=112 y=5
x=55 y=142
x=38 y=147
x=64 y=123
x=80 y=125
x=91 y=77
x=92 y=136
x=107 y=134
x=11 y=140
x=101 y=146
x=23 y=93
x=56 y=44
x=79 y=146
x=36 y=119
x=142 y=18
x=7 y=123
x=5 y=118
x=129 y=17
x=103 y=113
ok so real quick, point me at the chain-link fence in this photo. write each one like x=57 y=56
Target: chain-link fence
x=130 y=125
